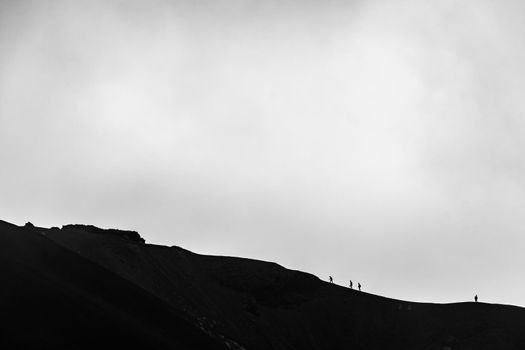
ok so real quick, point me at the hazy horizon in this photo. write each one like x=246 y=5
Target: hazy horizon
x=378 y=141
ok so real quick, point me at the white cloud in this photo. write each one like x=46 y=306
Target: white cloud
x=384 y=132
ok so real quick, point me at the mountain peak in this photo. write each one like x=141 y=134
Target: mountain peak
x=80 y=287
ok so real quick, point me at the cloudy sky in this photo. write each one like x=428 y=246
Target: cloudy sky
x=378 y=141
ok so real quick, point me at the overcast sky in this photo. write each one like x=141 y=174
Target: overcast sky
x=378 y=141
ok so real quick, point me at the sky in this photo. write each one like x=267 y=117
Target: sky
x=379 y=141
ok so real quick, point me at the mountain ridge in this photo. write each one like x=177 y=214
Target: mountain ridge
x=222 y=302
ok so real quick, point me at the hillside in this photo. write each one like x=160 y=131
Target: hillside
x=84 y=287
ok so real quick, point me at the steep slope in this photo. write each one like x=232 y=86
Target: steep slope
x=53 y=298
x=83 y=287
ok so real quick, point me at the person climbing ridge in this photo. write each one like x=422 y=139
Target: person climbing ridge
x=476 y=298
x=359 y=286
x=331 y=279
x=351 y=284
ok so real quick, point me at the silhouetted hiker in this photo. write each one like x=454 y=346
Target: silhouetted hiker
x=351 y=284
x=331 y=279
x=359 y=286
x=476 y=298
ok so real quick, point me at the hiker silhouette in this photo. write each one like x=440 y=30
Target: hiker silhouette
x=351 y=284
x=331 y=279
x=476 y=298
x=359 y=286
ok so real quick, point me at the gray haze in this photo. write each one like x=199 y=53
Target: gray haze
x=378 y=141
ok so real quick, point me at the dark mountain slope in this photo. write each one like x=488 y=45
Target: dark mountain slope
x=240 y=303
x=53 y=298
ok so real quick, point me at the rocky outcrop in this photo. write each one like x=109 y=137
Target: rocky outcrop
x=126 y=234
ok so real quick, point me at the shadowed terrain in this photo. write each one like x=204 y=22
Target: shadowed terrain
x=85 y=287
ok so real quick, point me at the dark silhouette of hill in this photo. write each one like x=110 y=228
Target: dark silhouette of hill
x=84 y=287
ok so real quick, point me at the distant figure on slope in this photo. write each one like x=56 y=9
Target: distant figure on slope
x=331 y=279
x=351 y=284
x=476 y=298
x=359 y=286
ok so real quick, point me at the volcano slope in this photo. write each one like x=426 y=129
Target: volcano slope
x=84 y=287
